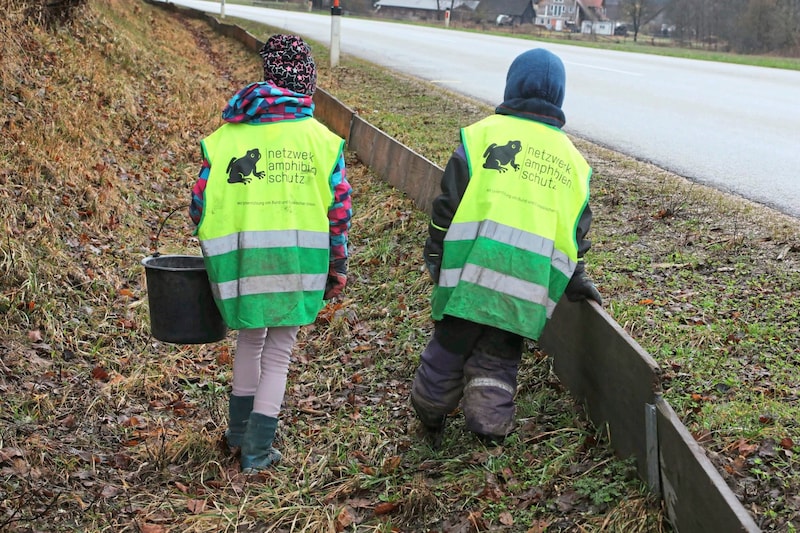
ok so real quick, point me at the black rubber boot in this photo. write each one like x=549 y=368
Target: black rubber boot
x=257 y=451
x=239 y=409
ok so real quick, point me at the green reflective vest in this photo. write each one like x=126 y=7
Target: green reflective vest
x=511 y=247
x=264 y=230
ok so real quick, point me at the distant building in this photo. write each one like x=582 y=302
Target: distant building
x=422 y=9
x=569 y=15
x=507 y=12
x=614 y=10
x=510 y=12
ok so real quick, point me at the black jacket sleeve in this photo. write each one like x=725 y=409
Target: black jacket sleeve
x=454 y=182
x=580 y=286
x=584 y=222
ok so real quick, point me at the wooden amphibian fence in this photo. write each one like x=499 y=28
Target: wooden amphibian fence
x=601 y=365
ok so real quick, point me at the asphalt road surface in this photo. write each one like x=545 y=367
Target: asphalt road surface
x=735 y=128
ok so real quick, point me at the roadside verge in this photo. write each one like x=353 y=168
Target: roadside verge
x=604 y=368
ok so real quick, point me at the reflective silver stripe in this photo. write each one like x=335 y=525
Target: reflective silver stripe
x=269 y=284
x=489 y=382
x=524 y=240
x=265 y=239
x=449 y=277
x=498 y=282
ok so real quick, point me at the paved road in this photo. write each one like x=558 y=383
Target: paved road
x=736 y=128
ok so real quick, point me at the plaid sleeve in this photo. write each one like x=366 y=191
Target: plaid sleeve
x=340 y=212
x=198 y=192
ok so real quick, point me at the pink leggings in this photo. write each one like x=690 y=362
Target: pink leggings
x=261 y=365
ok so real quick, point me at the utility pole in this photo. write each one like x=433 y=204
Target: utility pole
x=336 y=27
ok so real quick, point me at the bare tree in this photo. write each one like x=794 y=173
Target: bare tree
x=640 y=12
x=764 y=26
x=703 y=21
x=744 y=26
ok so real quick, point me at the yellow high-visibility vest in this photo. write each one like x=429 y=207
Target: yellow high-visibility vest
x=511 y=247
x=264 y=230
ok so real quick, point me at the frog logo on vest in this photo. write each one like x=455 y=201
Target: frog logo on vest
x=498 y=157
x=239 y=168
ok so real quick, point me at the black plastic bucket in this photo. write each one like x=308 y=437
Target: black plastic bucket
x=182 y=308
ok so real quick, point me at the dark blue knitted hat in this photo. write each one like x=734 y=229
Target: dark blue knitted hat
x=536 y=73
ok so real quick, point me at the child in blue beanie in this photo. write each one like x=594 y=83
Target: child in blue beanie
x=506 y=240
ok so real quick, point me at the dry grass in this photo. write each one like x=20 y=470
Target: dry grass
x=105 y=429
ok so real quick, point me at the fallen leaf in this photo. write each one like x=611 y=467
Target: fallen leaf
x=344 y=519
x=224 y=356
x=9 y=453
x=152 y=528
x=476 y=519
x=196 y=506
x=385 y=508
x=109 y=491
x=702 y=436
x=118 y=378
x=359 y=503
x=746 y=449
x=566 y=501
x=506 y=519
x=538 y=526
x=390 y=464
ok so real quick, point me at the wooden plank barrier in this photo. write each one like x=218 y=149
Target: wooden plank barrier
x=696 y=497
x=333 y=113
x=601 y=365
x=399 y=166
x=605 y=369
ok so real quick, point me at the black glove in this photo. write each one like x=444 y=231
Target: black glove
x=337 y=279
x=581 y=287
x=433 y=259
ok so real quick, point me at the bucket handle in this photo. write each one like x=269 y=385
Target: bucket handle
x=156 y=253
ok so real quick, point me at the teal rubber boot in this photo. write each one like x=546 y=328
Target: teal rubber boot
x=257 y=451
x=239 y=409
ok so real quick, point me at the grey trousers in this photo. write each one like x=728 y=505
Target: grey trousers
x=474 y=365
